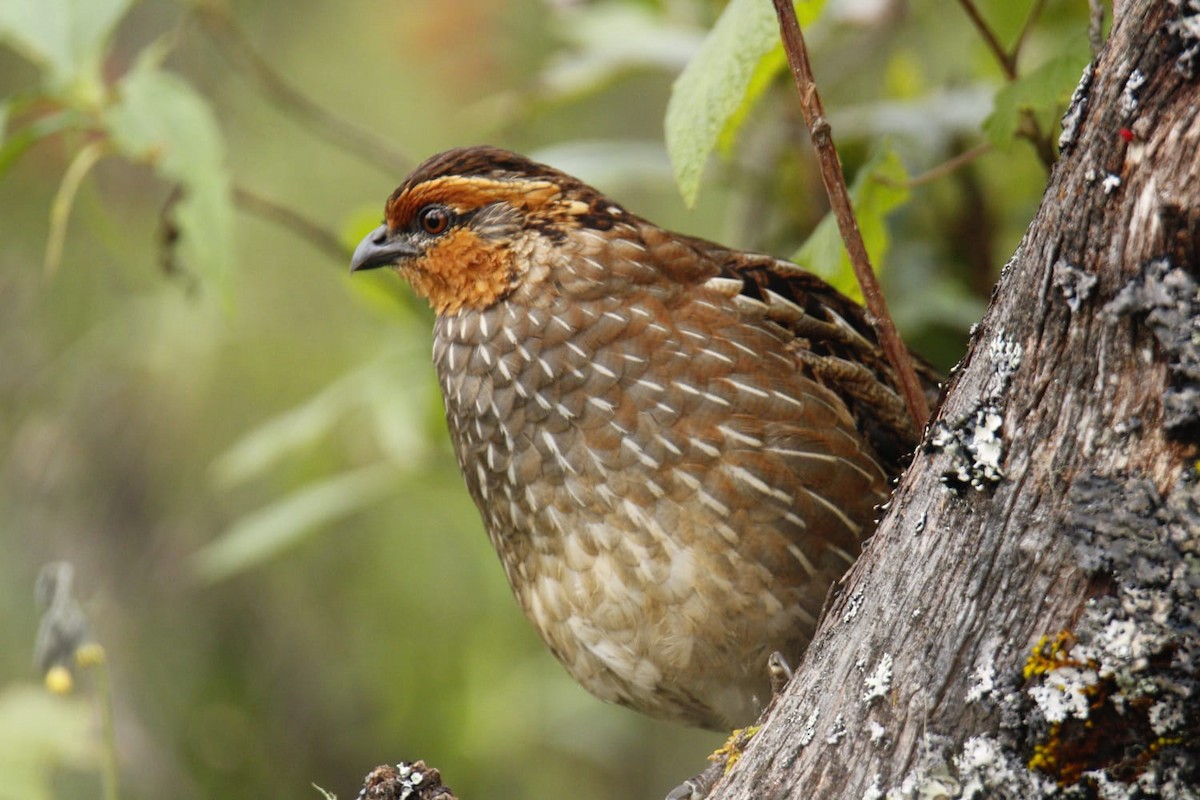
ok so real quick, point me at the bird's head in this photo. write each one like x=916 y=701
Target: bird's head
x=468 y=225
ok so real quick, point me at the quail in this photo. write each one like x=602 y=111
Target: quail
x=675 y=447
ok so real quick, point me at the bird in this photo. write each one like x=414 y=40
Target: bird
x=676 y=447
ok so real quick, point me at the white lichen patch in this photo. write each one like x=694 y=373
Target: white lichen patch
x=838 y=731
x=875 y=731
x=983 y=682
x=925 y=784
x=985 y=769
x=1006 y=354
x=977 y=448
x=1129 y=98
x=1075 y=284
x=879 y=682
x=1108 y=789
x=975 y=444
x=1075 y=109
x=1064 y=693
x=853 y=605
x=1167 y=715
x=808 y=731
x=987 y=447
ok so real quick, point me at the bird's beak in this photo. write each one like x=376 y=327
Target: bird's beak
x=381 y=248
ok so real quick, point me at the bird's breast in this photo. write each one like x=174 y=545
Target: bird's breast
x=643 y=468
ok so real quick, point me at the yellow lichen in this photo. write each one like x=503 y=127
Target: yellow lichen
x=1049 y=655
x=735 y=745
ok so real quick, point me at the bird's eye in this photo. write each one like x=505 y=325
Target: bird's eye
x=434 y=220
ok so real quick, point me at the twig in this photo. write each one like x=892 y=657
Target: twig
x=64 y=200
x=318 y=236
x=1030 y=128
x=1007 y=62
x=941 y=170
x=1014 y=53
x=839 y=199
x=234 y=45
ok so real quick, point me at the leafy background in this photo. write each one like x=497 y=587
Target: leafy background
x=240 y=447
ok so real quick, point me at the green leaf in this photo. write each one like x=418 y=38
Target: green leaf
x=873 y=199
x=770 y=65
x=66 y=38
x=263 y=534
x=1044 y=91
x=715 y=84
x=161 y=120
x=39 y=734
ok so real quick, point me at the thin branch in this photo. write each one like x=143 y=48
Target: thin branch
x=1014 y=53
x=1030 y=129
x=839 y=200
x=64 y=201
x=234 y=45
x=1007 y=63
x=941 y=170
x=317 y=235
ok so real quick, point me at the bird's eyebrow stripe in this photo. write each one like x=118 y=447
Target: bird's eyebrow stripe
x=466 y=194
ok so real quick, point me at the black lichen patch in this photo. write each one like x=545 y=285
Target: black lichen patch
x=1167 y=299
x=975 y=443
x=975 y=447
x=1117 y=700
x=1109 y=710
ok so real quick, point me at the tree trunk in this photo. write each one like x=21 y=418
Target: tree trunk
x=1027 y=616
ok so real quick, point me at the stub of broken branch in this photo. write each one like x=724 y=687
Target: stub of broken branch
x=405 y=781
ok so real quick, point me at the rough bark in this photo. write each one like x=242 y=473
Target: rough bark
x=1025 y=622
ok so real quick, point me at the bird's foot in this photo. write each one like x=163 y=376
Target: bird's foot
x=723 y=758
x=780 y=670
x=697 y=787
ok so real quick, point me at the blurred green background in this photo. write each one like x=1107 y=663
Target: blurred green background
x=251 y=473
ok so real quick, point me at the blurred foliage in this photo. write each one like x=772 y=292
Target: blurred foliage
x=241 y=448
x=727 y=72
x=40 y=732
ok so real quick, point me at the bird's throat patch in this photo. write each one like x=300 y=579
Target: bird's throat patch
x=462 y=271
